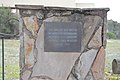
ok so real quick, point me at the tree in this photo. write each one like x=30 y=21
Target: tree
x=114 y=27
x=8 y=21
x=111 y=35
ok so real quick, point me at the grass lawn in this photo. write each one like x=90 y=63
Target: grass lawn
x=112 y=52
x=12 y=60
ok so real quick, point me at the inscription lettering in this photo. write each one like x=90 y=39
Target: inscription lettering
x=62 y=37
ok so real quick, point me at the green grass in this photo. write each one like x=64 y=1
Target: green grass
x=12 y=59
x=11 y=72
x=113 y=46
x=112 y=52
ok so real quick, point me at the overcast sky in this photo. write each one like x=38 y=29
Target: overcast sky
x=114 y=6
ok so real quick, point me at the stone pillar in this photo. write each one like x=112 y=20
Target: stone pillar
x=86 y=64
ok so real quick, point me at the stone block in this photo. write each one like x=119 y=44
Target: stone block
x=98 y=65
x=89 y=76
x=31 y=24
x=83 y=66
x=26 y=75
x=104 y=33
x=96 y=41
x=57 y=19
x=29 y=51
x=91 y=24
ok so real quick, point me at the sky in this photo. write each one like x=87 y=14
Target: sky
x=114 y=6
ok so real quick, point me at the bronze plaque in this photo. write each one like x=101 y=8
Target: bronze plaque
x=62 y=36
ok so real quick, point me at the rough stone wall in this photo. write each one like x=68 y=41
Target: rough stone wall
x=88 y=64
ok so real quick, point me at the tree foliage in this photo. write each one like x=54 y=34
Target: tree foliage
x=111 y=35
x=8 y=21
x=114 y=27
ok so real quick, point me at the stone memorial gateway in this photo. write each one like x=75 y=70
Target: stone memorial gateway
x=60 y=43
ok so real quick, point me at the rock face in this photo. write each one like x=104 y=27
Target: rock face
x=86 y=64
x=98 y=65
